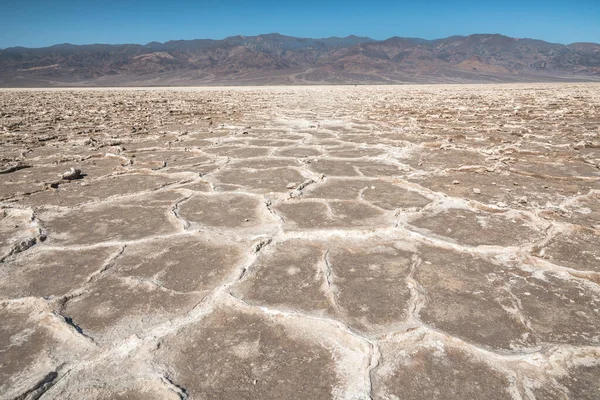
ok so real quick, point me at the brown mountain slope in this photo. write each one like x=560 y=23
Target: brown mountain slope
x=279 y=59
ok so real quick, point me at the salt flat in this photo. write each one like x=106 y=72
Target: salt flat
x=384 y=242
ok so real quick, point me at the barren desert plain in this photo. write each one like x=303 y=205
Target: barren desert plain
x=370 y=242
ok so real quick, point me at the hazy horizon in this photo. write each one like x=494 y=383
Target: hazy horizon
x=282 y=34
x=41 y=24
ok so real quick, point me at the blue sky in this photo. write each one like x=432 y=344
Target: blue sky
x=38 y=23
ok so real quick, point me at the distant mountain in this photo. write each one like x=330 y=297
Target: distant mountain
x=279 y=59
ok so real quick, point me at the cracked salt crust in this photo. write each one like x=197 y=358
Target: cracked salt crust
x=234 y=249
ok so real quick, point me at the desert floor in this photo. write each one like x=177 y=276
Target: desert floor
x=385 y=242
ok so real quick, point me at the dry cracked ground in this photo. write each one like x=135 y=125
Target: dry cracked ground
x=418 y=242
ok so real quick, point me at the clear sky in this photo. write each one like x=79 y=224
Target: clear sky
x=37 y=23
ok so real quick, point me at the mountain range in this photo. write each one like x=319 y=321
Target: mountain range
x=279 y=59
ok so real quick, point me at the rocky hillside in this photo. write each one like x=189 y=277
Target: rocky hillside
x=278 y=59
